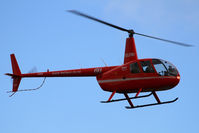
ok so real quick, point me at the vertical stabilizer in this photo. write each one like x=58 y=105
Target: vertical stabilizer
x=16 y=82
x=16 y=76
x=15 y=66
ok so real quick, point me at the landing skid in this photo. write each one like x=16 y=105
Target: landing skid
x=127 y=98
x=152 y=104
x=117 y=100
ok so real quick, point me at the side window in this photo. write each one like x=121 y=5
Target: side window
x=147 y=67
x=134 y=68
x=160 y=68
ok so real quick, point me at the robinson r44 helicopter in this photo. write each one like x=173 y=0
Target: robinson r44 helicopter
x=134 y=76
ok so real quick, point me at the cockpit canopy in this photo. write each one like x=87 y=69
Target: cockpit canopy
x=164 y=68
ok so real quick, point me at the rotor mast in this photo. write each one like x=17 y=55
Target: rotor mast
x=130 y=48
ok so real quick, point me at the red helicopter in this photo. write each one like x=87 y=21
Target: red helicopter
x=134 y=76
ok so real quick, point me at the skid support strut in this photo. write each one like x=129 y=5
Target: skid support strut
x=122 y=99
x=111 y=96
x=156 y=96
x=129 y=100
x=138 y=92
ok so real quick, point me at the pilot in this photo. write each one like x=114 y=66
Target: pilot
x=171 y=69
x=149 y=69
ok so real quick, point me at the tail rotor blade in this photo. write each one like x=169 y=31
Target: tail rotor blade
x=33 y=70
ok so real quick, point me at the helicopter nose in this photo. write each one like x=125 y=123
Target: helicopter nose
x=176 y=80
x=178 y=77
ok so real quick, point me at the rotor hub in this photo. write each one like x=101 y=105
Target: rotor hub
x=131 y=32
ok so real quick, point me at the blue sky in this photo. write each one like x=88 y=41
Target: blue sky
x=43 y=35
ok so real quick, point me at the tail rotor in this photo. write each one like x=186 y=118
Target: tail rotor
x=17 y=76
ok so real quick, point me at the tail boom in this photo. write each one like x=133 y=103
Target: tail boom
x=86 y=72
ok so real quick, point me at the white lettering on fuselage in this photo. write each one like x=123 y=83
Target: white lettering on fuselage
x=65 y=73
x=39 y=74
x=124 y=68
x=129 y=55
x=97 y=70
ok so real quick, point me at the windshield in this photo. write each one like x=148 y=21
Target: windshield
x=164 y=68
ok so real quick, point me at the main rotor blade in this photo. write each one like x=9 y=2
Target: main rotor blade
x=131 y=32
x=98 y=20
x=165 y=40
